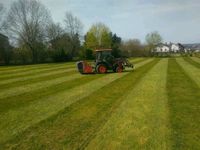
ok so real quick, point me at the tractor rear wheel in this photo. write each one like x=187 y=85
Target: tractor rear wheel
x=101 y=68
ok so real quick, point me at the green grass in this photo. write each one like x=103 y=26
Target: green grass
x=192 y=71
x=30 y=72
x=193 y=62
x=82 y=116
x=184 y=106
x=4 y=69
x=196 y=59
x=52 y=106
x=141 y=121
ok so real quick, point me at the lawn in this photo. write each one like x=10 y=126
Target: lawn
x=52 y=106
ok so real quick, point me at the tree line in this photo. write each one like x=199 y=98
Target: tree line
x=29 y=35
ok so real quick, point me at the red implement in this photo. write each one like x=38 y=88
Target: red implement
x=84 y=67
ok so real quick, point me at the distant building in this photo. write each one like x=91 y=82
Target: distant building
x=177 y=48
x=162 y=48
x=169 y=48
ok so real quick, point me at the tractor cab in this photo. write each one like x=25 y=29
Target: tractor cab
x=103 y=53
x=104 y=56
x=104 y=62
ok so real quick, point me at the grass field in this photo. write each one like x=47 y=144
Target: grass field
x=52 y=106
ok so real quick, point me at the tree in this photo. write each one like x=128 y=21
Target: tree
x=133 y=48
x=86 y=54
x=115 y=45
x=61 y=48
x=74 y=29
x=54 y=31
x=21 y=55
x=153 y=39
x=98 y=36
x=5 y=49
x=26 y=22
x=73 y=25
x=91 y=41
x=1 y=16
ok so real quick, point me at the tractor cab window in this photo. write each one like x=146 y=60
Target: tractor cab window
x=103 y=54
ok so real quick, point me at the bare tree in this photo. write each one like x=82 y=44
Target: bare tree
x=27 y=21
x=54 y=31
x=2 y=13
x=133 y=48
x=73 y=24
x=74 y=29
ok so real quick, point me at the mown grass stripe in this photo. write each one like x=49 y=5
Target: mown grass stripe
x=25 y=73
x=141 y=120
x=24 y=67
x=196 y=59
x=31 y=72
x=82 y=118
x=15 y=69
x=140 y=64
x=45 y=66
x=35 y=87
x=60 y=85
x=34 y=76
x=137 y=60
x=13 y=90
x=184 y=106
x=192 y=71
x=48 y=106
x=192 y=62
x=27 y=69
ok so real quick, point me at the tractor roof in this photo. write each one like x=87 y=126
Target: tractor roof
x=100 y=50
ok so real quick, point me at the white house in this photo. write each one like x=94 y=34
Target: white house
x=162 y=48
x=177 y=48
x=169 y=47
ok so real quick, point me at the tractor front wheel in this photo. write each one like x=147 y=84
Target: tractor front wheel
x=119 y=69
x=101 y=69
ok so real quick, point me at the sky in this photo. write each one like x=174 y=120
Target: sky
x=175 y=20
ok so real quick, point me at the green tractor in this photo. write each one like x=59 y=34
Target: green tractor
x=104 y=62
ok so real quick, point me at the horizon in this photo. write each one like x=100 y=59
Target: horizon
x=176 y=21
